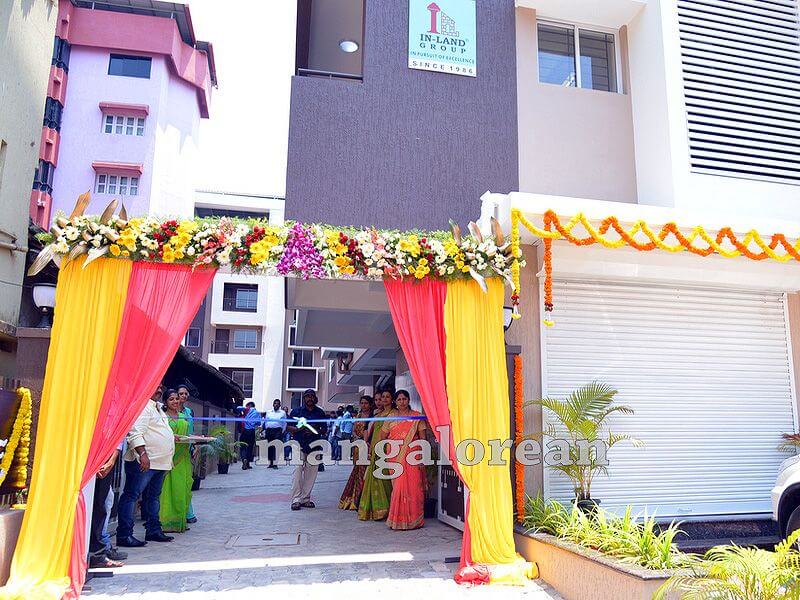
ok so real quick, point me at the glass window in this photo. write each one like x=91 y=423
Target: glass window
x=244 y=377
x=246 y=299
x=302 y=358
x=123 y=186
x=129 y=66
x=109 y=128
x=245 y=339
x=112 y=184
x=134 y=186
x=120 y=122
x=140 y=126
x=557 y=55
x=598 y=61
x=192 y=338
x=101 y=184
x=596 y=67
x=129 y=125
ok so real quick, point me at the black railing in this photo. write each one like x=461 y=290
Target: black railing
x=328 y=74
x=232 y=304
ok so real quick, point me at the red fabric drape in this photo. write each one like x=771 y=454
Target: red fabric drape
x=417 y=309
x=162 y=300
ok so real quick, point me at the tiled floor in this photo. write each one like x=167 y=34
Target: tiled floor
x=234 y=552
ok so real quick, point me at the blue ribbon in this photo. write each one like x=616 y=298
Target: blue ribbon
x=306 y=421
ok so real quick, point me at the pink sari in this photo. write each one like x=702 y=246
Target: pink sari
x=408 y=490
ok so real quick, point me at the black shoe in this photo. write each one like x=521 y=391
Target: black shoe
x=130 y=542
x=245 y=466
x=273 y=466
x=158 y=537
x=191 y=520
x=115 y=554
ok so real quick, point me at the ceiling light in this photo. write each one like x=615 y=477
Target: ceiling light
x=348 y=46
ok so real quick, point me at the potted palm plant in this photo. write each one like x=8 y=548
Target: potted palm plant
x=581 y=417
x=224 y=448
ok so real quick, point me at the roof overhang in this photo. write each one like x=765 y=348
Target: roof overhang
x=604 y=13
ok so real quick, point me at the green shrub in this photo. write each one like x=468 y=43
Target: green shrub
x=737 y=573
x=625 y=538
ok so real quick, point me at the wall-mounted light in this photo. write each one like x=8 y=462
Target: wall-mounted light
x=348 y=46
x=44 y=297
x=508 y=317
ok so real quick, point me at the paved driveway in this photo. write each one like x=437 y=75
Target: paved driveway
x=248 y=544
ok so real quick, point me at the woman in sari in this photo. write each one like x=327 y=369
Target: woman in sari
x=176 y=494
x=408 y=490
x=374 y=503
x=351 y=495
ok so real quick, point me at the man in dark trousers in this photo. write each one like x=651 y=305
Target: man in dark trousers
x=252 y=421
x=305 y=473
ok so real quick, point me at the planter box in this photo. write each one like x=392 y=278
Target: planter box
x=578 y=573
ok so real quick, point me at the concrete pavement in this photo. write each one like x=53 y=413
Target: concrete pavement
x=247 y=543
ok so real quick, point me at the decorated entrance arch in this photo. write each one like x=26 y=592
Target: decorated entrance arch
x=127 y=291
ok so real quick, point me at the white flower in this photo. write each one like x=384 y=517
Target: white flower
x=368 y=261
x=61 y=246
x=224 y=257
x=71 y=233
x=367 y=248
x=190 y=251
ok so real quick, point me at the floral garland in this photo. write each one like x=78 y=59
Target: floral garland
x=16 y=439
x=307 y=251
x=519 y=427
x=725 y=243
x=19 y=469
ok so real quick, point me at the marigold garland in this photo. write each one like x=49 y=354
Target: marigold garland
x=554 y=229
x=16 y=440
x=19 y=468
x=519 y=427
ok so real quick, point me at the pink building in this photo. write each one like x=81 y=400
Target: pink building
x=129 y=85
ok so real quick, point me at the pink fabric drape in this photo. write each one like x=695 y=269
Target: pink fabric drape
x=417 y=309
x=162 y=300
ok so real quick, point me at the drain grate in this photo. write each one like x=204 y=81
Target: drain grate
x=267 y=539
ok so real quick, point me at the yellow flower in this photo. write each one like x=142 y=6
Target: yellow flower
x=168 y=255
x=410 y=245
x=187 y=227
x=127 y=238
x=465 y=269
x=343 y=264
x=451 y=248
x=423 y=262
x=114 y=249
x=334 y=245
x=421 y=272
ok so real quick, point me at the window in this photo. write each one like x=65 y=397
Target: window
x=245 y=339
x=240 y=297
x=596 y=67
x=122 y=125
x=43 y=177
x=117 y=184
x=302 y=358
x=61 y=49
x=129 y=66
x=192 y=339
x=52 y=114
x=211 y=211
x=244 y=377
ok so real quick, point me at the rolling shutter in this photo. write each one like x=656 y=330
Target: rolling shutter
x=741 y=71
x=708 y=375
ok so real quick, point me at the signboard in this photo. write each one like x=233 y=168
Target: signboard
x=441 y=36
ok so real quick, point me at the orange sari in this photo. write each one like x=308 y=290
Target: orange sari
x=408 y=490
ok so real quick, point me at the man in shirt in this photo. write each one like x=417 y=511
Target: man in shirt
x=252 y=420
x=151 y=445
x=274 y=427
x=305 y=473
x=346 y=428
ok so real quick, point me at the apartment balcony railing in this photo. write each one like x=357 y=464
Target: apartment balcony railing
x=223 y=347
x=234 y=305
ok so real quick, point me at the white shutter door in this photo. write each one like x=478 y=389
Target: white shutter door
x=708 y=374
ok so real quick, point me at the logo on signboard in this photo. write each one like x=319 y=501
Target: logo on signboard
x=441 y=36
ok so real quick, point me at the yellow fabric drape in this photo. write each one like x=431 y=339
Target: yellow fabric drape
x=89 y=306
x=477 y=388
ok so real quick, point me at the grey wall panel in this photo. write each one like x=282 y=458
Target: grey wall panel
x=405 y=148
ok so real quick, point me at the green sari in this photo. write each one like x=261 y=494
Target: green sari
x=176 y=494
x=374 y=504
